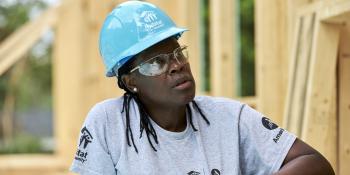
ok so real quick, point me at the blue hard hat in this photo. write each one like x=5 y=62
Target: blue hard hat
x=130 y=28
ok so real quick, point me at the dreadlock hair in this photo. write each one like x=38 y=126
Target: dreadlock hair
x=145 y=123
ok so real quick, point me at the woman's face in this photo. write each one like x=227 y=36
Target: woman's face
x=175 y=87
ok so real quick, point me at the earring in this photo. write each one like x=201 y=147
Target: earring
x=134 y=89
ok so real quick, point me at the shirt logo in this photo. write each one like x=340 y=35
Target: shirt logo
x=215 y=172
x=193 y=173
x=85 y=139
x=278 y=136
x=268 y=124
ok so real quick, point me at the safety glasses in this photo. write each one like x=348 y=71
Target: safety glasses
x=160 y=63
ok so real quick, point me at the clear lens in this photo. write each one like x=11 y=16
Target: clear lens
x=181 y=54
x=155 y=66
x=159 y=64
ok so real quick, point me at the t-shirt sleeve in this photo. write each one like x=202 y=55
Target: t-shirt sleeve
x=263 y=145
x=92 y=156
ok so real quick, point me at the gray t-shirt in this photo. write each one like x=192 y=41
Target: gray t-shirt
x=239 y=140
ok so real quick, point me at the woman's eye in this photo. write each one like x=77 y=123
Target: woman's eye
x=159 y=60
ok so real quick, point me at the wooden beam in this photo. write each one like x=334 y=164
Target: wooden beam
x=69 y=51
x=319 y=125
x=300 y=62
x=32 y=162
x=193 y=40
x=293 y=15
x=335 y=11
x=271 y=63
x=20 y=42
x=344 y=100
x=223 y=48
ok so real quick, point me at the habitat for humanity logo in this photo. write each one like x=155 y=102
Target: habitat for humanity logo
x=85 y=139
x=151 y=21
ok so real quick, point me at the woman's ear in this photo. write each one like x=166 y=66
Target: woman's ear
x=129 y=82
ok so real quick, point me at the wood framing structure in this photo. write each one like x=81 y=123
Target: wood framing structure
x=309 y=77
x=316 y=102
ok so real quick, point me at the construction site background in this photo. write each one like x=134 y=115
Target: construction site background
x=288 y=59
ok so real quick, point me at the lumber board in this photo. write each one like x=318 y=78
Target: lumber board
x=271 y=61
x=300 y=62
x=23 y=39
x=344 y=100
x=319 y=122
x=291 y=75
x=193 y=24
x=335 y=12
x=222 y=48
x=69 y=53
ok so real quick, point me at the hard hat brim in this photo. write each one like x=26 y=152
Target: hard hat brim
x=137 y=48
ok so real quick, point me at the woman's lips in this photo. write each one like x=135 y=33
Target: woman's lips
x=183 y=85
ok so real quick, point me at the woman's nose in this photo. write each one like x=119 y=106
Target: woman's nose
x=175 y=65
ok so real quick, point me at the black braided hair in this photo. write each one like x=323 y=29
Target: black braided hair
x=145 y=123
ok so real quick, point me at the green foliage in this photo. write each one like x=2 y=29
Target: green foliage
x=247 y=47
x=247 y=51
x=35 y=84
x=205 y=35
x=33 y=89
x=21 y=144
x=15 y=14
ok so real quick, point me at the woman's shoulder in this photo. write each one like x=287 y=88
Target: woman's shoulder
x=213 y=102
x=220 y=111
x=110 y=103
x=103 y=109
x=219 y=107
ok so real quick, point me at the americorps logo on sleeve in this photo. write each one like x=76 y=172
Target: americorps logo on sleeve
x=268 y=124
x=85 y=139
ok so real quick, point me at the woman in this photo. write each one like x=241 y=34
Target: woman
x=160 y=127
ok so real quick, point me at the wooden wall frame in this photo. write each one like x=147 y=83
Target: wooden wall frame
x=312 y=105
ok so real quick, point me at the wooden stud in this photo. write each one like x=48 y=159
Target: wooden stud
x=319 y=125
x=293 y=15
x=193 y=40
x=222 y=48
x=271 y=62
x=300 y=63
x=67 y=75
x=344 y=100
x=335 y=11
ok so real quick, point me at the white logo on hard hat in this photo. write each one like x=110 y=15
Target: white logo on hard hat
x=151 y=21
x=149 y=16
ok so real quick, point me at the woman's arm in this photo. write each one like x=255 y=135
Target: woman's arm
x=302 y=159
